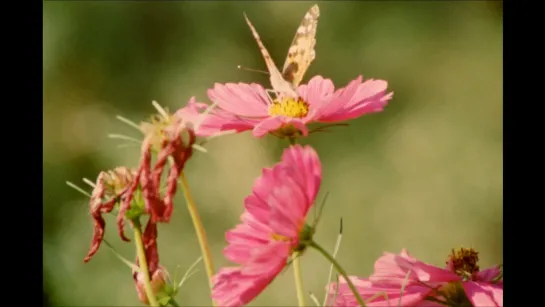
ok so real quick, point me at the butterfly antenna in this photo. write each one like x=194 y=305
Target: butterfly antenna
x=252 y=70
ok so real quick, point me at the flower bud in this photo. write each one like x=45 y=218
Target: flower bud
x=159 y=279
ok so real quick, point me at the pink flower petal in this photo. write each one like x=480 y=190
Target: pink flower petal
x=488 y=275
x=216 y=121
x=219 y=120
x=272 y=123
x=376 y=295
x=256 y=203
x=307 y=170
x=317 y=91
x=268 y=260
x=298 y=177
x=246 y=100
x=338 y=100
x=394 y=269
x=287 y=202
x=239 y=286
x=243 y=239
x=484 y=295
x=355 y=100
x=233 y=289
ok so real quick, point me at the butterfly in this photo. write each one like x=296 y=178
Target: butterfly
x=300 y=54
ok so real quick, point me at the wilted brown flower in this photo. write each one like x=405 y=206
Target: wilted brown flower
x=172 y=137
x=112 y=185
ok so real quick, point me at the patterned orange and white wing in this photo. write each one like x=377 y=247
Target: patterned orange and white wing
x=301 y=52
x=277 y=81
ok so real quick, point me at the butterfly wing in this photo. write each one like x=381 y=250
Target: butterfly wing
x=301 y=52
x=277 y=81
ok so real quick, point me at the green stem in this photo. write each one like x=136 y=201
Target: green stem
x=201 y=233
x=298 y=279
x=143 y=263
x=297 y=264
x=173 y=302
x=340 y=270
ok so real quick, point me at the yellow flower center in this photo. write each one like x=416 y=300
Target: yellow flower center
x=289 y=107
x=277 y=237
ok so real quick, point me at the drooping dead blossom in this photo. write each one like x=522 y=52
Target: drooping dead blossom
x=171 y=136
x=112 y=185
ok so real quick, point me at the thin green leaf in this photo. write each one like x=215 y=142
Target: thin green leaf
x=127 y=145
x=89 y=182
x=175 y=279
x=199 y=148
x=75 y=187
x=128 y=122
x=160 y=109
x=124 y=137
x=187 y=273
x=219 y=134
x=123 y=259
x=336 y=289
x=314 y=299
x=335 y=252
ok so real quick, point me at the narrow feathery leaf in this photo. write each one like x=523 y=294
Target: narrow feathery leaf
x=188 y=273
x=320 y=209
x=203 y=115
x=123 y=259
x=89 y=182
x=160 y=109
x=199 y=148
x=124 y=137
x=128 y=122
x=314 y=299
x=127 y=145
x=336 y=289
x=335 y=251
x=222 y=133
x=75 y=187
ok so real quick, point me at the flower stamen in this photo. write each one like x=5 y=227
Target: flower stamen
x=290 y=107
x=464 y=263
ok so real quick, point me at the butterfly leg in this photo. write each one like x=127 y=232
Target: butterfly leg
x=267 y=91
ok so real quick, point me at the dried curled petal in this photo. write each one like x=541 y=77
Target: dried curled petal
x=173 y=145
x=114 y=185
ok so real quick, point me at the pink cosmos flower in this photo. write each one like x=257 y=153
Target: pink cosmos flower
x=271 y=226
x=248 y=106
x=405 y=281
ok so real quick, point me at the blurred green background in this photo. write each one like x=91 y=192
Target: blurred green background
x=425 y=174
